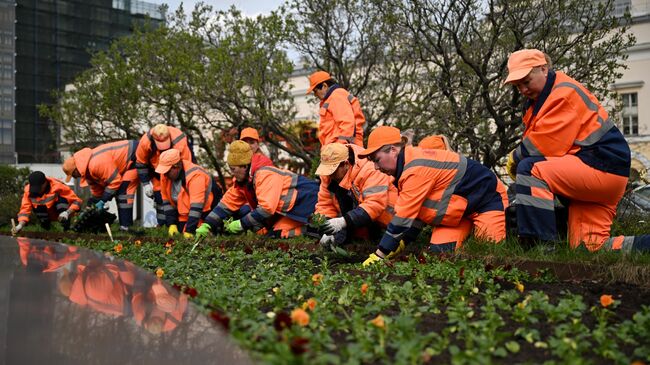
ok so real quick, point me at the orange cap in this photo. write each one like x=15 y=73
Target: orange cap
x=316 y=78
x=380 y=137
x=160 y=134
x=68 y=168
x=330 y=158
x=249 y=133
x=522 y=62
x=435 y=142
x=168 y=159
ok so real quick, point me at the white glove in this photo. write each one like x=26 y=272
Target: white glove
x=18 y=228
x=334 y=225
x=148 y=189
x=327 y=240
x=64 y=216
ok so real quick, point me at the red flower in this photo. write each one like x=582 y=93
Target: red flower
x=282 y=320
x=422 y=259
x=221 y=318
x=169 y=243
x=191 y=292
x=248 y=250
x=178 y=287
x=283 y=247
x=461 y=272
x=298 y=345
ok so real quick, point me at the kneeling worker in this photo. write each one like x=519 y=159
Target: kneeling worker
x=281 y=200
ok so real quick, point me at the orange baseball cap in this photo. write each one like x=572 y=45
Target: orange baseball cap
x=168 y=159
x=249 y=133
x=434 y=142
x=330 y=158
x=380 y=137
x=316 y=78
x=68 y=168
x=160 y=134
x=522 y=62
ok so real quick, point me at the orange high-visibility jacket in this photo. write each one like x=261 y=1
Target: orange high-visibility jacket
x=276 y=191
x=373 y=192
x=102 y=167
x=104 y=287
x=193 y=200
x=147 y=155
x=438 y=187
x=57 y=190
x=569 y=120
x=341 y=118
x=52 y=256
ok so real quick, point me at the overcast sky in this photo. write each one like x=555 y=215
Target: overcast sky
x=248 y=7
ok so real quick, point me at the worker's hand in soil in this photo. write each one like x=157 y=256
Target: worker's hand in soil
x=371 y=260
x=397 y=251
x=17 y=228
x=172 y=231
x=334 y=225
x=234 y=227
x=100 y=205
x=64 y=216
x=203 y=231
x=188 y=235
x=327 y=240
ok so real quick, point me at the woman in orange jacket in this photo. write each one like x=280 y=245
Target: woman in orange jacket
x=570 y=148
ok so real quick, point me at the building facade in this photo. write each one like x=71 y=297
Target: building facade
x=44 y=44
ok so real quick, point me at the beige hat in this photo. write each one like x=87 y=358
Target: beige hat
x=330 y=158
x=161 y=137
x=239 y=153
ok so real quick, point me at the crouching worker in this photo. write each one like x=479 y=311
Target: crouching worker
x=50 y=199
x=109 y=170
x=188 y=193
x=440 y=188
x=282 y=201
x=357 y=198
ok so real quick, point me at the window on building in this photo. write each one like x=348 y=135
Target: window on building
x=630 y=114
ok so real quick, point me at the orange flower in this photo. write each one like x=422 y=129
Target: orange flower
x=118 y=248
x=316 y=278
x=311 y=304
x=160 y=272
x=137 y=243
x=378 y=322
x=300 y=317
x=364 y=288
x=606 y=300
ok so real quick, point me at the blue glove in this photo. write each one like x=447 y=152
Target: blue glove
x=100 y=205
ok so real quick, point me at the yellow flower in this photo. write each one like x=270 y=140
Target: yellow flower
x=519 y=287
x=606 y=300
x=316 y=278
x=137 y=243
x=160 y=272
x=118 y=248
x=276 y=290
x=364 y=288
x=300 y=317
x=378 y=322
x=169 y=250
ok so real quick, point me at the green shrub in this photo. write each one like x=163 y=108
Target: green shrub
x=13 y=182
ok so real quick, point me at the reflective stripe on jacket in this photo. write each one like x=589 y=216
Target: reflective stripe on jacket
x=57 y=190
x=372 y=192
x=568 y=120
x=341 y=118
x=147 y=155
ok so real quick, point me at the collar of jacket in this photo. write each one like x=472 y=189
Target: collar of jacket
x=399 y=168
x=331 y=90
x=546 y=91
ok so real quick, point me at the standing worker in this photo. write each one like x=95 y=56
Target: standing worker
x=440 y=188
x=109 y=170
x=188 y=193
x=158 y=139
x=341 y=118
x=569 y=148
x=50 y=199
x=357 y=198
x=282 y=201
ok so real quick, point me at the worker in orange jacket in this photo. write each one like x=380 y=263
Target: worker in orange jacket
x=570 y=148
x=355 y=196
x=282 y=201
x=50 y=199
x=250 y=136
x=188 y=193
x=109 y=170
x=436 y=187
x=48 y=257
x=158 y=139
x=158 y=308
x=341 y=118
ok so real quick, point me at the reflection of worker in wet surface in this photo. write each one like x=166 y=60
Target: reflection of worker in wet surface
x=158 y=308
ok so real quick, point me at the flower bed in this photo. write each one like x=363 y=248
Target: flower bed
x=287 y=302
